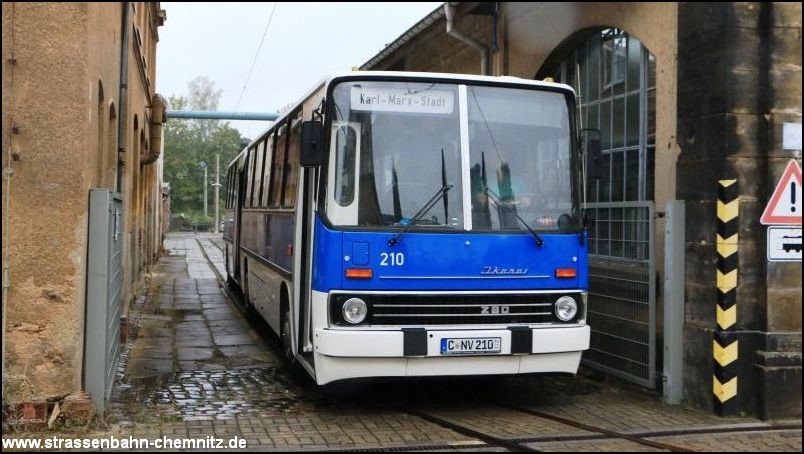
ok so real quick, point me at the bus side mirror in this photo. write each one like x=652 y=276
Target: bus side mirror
x=312 y=148
x=588 y=222
x=592 y=154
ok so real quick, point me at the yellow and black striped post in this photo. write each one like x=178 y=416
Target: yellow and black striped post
x=725 y=346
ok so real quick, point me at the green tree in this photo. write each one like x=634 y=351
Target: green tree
x=189 y=143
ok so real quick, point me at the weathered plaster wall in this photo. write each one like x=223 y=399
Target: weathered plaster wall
x=48 y=205
x=64 y=142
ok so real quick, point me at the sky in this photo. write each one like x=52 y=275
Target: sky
x=304 y=42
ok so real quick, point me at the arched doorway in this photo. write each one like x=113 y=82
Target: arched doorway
x=614 y=76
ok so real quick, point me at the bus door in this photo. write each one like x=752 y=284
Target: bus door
x=303 y=264
x=241 y=196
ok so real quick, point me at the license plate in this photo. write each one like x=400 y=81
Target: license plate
x=470 y=345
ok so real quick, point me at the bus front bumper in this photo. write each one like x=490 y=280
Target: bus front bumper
x=343 y=353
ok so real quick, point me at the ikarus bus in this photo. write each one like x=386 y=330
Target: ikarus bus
x=416 y=224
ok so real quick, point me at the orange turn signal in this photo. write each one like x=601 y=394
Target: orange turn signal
x=358 y=273
x=565 y=273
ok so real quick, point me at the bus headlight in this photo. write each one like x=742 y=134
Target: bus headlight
x=566 y=308
x=355 y=310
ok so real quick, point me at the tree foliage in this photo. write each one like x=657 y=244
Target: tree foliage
x=190 y=143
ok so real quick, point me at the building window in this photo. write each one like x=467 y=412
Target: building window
x=613 y=75
x=613 y=47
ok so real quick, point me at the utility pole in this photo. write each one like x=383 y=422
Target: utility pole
x=217 y=189
x=204 y=165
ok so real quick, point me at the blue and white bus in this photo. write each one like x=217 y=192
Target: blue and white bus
x=416 y=224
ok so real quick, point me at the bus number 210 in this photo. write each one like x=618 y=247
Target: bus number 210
x=392 y=259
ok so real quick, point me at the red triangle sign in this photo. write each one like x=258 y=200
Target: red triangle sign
x=784 y=207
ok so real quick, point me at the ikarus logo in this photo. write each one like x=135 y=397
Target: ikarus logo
x=502 y=271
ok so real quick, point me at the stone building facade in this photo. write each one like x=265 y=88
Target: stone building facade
x=80 y=111
x=685 y=94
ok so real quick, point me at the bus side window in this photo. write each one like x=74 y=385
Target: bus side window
x=266 y=178
x=292 y=167
x=228 y=189
x=233 y=187
x=277 y=165
x=249 y=180
x=258 y=172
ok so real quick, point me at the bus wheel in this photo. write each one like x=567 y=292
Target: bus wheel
x=287 y=342
x=246 y=307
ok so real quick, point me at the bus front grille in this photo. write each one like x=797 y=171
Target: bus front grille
x=407 y=310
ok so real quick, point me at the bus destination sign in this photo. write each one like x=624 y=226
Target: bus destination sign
x=402 y=100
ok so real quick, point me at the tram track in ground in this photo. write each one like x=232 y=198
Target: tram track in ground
x=608 y=434
x=215 y=243
x=482 y=441
x=522 y=444
x=641 y=437
x=595 y=433
x=489 y=440
x=211 y=264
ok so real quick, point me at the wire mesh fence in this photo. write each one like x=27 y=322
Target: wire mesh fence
x=622 y=308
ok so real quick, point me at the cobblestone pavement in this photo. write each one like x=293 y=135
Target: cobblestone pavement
x=198 y=368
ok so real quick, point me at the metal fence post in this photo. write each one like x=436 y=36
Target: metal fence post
x=674 y=238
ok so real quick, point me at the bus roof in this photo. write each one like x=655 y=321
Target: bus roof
x=407 y=75
x=448 y=77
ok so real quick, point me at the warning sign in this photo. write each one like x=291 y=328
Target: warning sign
x=784 y=207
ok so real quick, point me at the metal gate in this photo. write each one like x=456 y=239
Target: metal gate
x=104 y=294
x=622 y=291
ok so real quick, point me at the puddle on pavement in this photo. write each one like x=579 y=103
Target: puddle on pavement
x=210 y=394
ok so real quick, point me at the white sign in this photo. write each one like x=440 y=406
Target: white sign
x=402 y=100
x=784 y=244
x=791 y=136
x=784 y=206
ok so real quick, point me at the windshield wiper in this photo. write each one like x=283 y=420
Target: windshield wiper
x=496 y=200
x=419 y=214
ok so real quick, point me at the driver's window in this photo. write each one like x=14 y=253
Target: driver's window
x=344 y=185
x=345 y=150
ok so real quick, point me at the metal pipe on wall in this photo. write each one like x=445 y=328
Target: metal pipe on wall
x=449 y=11
x=121 y=131
x=158 y=106
x=8 y=172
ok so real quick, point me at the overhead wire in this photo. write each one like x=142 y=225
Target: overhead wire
x=257 y=55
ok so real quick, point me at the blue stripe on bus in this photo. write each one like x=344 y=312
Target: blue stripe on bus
x=441 y=261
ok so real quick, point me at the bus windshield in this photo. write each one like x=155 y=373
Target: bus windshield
x=394 y=145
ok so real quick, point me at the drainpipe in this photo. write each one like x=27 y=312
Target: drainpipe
x=8 y=172
x=158 y=106
x=449 y=11
x=121 y=111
